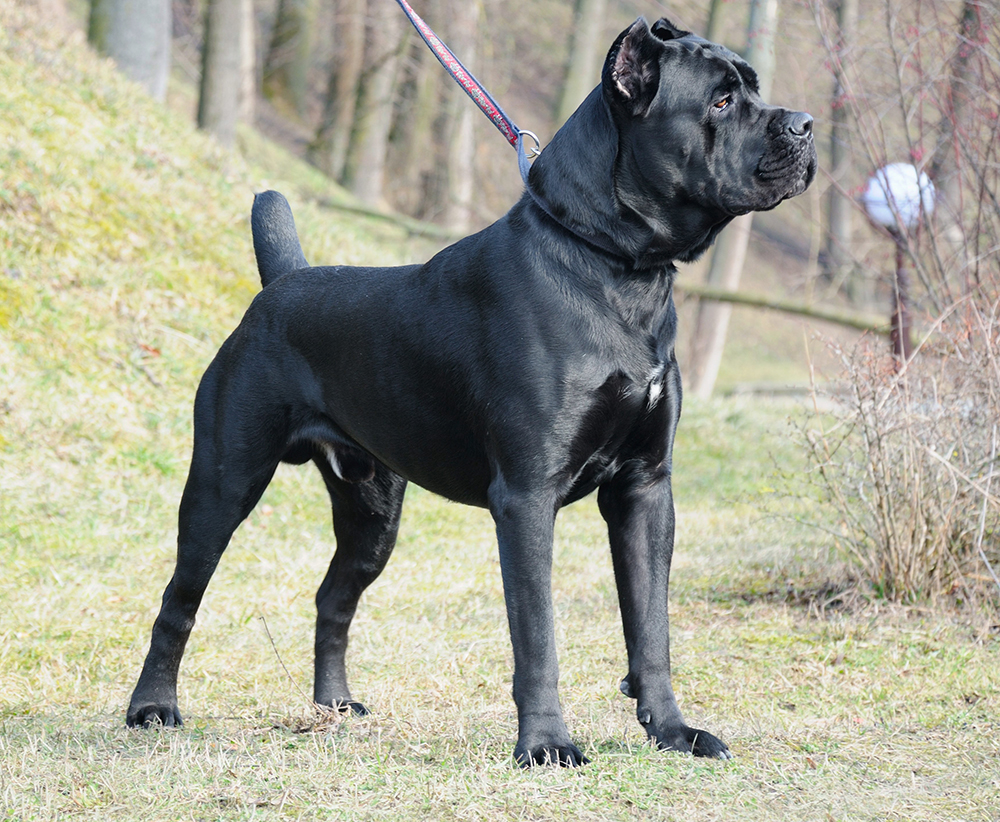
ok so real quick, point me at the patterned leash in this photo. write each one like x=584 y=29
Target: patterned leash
x=514 y=135
x=480 y=96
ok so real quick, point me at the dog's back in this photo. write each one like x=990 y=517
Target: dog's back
x=275 y=240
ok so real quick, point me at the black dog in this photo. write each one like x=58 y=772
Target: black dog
x=519 y=370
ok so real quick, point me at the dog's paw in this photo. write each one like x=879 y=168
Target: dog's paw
x=349 y=706
x=565 y=755
x=154 y=716
x=692 y=741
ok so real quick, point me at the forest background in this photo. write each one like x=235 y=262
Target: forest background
x=349 y=86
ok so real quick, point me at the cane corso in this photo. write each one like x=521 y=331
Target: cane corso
x=519 y=370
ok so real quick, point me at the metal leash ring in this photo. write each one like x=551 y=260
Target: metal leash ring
x=533 y=152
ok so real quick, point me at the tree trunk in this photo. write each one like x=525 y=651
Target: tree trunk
x=464 y=35
x=248 y=62
x=838 y=239
x=136 y=35
x=713 y=25
x=730 y=250
x=364 y=169
x=583 y=71
x=945 y=168
x=221 y=70
x=328 y=150
x=712 y=324
x=286 y=67
x=419 y=156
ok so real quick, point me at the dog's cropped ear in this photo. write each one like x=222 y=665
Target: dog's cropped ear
x=665 y=30
x=632 y=70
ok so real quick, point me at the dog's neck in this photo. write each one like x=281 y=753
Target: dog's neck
x=574 y=182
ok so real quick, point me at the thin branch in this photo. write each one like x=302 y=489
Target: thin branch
x=982 y=516
x=281 y=662
x=861 y=322
x=972 y=483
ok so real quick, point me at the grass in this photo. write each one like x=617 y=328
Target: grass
x=849 y=717
x=124 y=260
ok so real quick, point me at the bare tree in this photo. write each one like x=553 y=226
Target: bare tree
x=938 y=96
x=730 y=250
x=713 y=25
x=418 y=185
x=286 y=65
x=945 y=165
x=464 y=34
x=841 y=208
x=583 y=71
x=364 y=168
x=222 y=69
x=136 y=35
x=328 y=150
x=248 y=62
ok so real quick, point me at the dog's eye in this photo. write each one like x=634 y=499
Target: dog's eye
x=723 y=104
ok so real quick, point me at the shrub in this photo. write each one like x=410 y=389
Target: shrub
x=907 y=459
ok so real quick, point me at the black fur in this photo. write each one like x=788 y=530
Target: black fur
x=519 y=369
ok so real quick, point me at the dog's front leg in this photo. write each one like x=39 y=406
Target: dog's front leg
x=524 y=522
x=638 y=508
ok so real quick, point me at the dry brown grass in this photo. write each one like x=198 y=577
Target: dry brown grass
x=851 y=717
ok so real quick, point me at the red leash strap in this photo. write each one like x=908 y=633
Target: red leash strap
x=480 y=96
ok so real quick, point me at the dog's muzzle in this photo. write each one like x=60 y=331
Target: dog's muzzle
x=790 y=165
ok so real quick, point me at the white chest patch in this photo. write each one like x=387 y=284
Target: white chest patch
x=655 y=385
x=655 y=389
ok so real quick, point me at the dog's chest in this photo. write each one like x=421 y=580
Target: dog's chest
x=626 y=418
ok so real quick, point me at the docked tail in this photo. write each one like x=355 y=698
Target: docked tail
x=275 y=241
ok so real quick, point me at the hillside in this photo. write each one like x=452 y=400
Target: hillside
x=125 y=258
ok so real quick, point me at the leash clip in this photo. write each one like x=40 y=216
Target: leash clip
x=532 y=152
x=523 y=158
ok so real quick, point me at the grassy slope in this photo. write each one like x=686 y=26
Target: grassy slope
x=124 y=260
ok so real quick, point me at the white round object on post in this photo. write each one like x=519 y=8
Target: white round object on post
x=895 y=196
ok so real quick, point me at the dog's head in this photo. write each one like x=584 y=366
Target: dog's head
x=694 y=136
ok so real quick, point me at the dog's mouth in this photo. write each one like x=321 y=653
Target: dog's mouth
x=784 y=171
x=789 y=167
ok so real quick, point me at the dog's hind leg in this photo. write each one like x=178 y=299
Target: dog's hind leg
x=365 y=522
x=228 y=475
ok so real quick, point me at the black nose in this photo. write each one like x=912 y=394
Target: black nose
x=799 y=124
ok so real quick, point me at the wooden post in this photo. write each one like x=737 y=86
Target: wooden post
x=900 y=323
